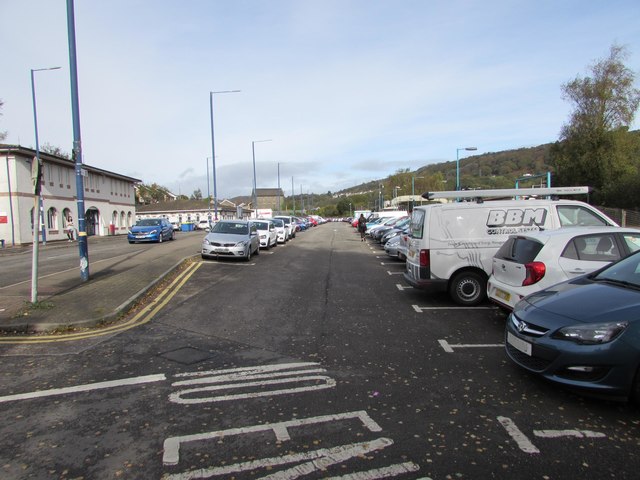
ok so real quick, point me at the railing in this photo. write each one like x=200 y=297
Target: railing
x=624 y=218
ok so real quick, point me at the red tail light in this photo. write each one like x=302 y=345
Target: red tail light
x=535 y=273
x=425 y=259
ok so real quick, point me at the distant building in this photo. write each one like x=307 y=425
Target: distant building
x=268 y=198
x=192 y=211
x=109 y=197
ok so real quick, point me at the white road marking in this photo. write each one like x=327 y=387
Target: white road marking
x=281 y=431
x=395 y=273
x=402 y=288
x=241 y=378
x=385 y=472
x=84 y=388
x=420 y=309
x=520 y=438
x=447 y=347
x=568 y=433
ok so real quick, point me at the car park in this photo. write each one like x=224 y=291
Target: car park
x=528 y=263
x=151 y=230
x=452 y=245
x=396 y=227
x=231 y=238
x=583 y=333
x=266 y=233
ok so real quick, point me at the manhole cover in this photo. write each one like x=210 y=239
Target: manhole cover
x=186 y=355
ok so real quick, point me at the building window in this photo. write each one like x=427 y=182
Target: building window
x=129 y=217
x=52 y=219
x=114 y=218
x=66 y=217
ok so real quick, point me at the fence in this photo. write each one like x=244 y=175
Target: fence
x=624 y=218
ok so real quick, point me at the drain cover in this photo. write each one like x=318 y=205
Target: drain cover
x=186 y=355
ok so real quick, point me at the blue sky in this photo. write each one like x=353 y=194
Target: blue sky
x=347 y=90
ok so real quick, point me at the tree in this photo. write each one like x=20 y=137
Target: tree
x=595 y=147
x=48 y=148
x=197 y=195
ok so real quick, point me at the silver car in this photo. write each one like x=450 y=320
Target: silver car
x=231 y=238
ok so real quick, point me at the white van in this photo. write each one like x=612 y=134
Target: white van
x=452 y=245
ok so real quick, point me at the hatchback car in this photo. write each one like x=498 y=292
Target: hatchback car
x=151 y=230
x=266 y=233
x=528 y=263
x=281 y=230
x=231 y=238
x=583 y=333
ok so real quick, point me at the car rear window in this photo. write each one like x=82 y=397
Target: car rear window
x=519 y=250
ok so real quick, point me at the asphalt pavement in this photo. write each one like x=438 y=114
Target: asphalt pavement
x=114 y=285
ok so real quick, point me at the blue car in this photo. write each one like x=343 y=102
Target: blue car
x=583 y=333
x=151 y=230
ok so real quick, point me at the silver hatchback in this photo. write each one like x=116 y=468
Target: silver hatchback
x=231 y=238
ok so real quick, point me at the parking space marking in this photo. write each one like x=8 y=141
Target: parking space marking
x=84 y=388
x=516 y=434
x=172 y=445
x=389 y=272
x=528 y=447
x=447 y=347
x=403 y=287
x=420 y=309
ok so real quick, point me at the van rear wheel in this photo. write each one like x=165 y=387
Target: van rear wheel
x=468 y=288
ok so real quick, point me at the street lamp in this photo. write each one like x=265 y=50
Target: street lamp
x=255 y=193
x=213 y=151
x=458 y=164
x=36 y=172
x=413 y=190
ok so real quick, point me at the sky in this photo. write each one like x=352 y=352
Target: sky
x=346 y=91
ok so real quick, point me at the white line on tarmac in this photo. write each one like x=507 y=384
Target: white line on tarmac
x=84 y=388
x=420 y=309
x=447 y=347
x=568 y=433
x=395 y=273
x=403 y=287
x=520 y=438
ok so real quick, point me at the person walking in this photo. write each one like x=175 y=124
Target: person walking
x=362 y=226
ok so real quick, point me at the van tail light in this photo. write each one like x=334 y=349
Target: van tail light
x=535 y=272
x=425 y=259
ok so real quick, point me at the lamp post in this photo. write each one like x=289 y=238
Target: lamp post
x=255 y=192
x=458 y=164
x=413 y=190
x=213 y=151
x=35 y=174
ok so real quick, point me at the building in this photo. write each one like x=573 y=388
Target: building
x=109 y=197
x=268 y=198
x=192 y=211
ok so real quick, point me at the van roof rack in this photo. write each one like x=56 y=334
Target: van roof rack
x=507 y=193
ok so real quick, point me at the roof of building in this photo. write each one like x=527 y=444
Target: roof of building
x=44 y=156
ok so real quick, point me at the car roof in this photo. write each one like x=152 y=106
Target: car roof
x=568 y=232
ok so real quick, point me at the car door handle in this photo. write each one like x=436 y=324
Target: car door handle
x=577 y=270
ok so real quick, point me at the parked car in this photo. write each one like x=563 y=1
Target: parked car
x=281 y=230
x=203 y=224
x=528 y=263
x=175 y=226
x=394 y=227
x=231 y=238
x=266 y=233
x=151 y=230
x=290 y=224
x=391 y=247
x=583 y=333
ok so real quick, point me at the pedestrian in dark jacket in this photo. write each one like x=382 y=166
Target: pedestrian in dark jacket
x=362 y=226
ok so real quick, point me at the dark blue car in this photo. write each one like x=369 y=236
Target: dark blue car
x=151 y=230
x=583 y=333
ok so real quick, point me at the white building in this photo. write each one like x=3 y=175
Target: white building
x=109 y=198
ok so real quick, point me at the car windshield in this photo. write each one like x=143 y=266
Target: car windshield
x=626 y=271
x=148 y=222
x=232 y=228
x=278 y=222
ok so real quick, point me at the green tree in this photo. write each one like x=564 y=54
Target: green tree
x=57 y=151
x=196 y=195
x=595 y=148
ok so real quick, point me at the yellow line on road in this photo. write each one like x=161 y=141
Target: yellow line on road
x=142 y=317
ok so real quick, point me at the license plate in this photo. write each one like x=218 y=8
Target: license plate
x=518 y=344
x=221 y=250
x=502 y=294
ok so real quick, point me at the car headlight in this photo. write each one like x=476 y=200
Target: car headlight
x=242 y=244
x=591 y=334
x=206 y=242
x=153 y=232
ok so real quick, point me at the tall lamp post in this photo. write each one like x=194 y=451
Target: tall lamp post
x=413 y=190
x=255 y=192
x=36 y=173
x=213 y=151
x=458 y=164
